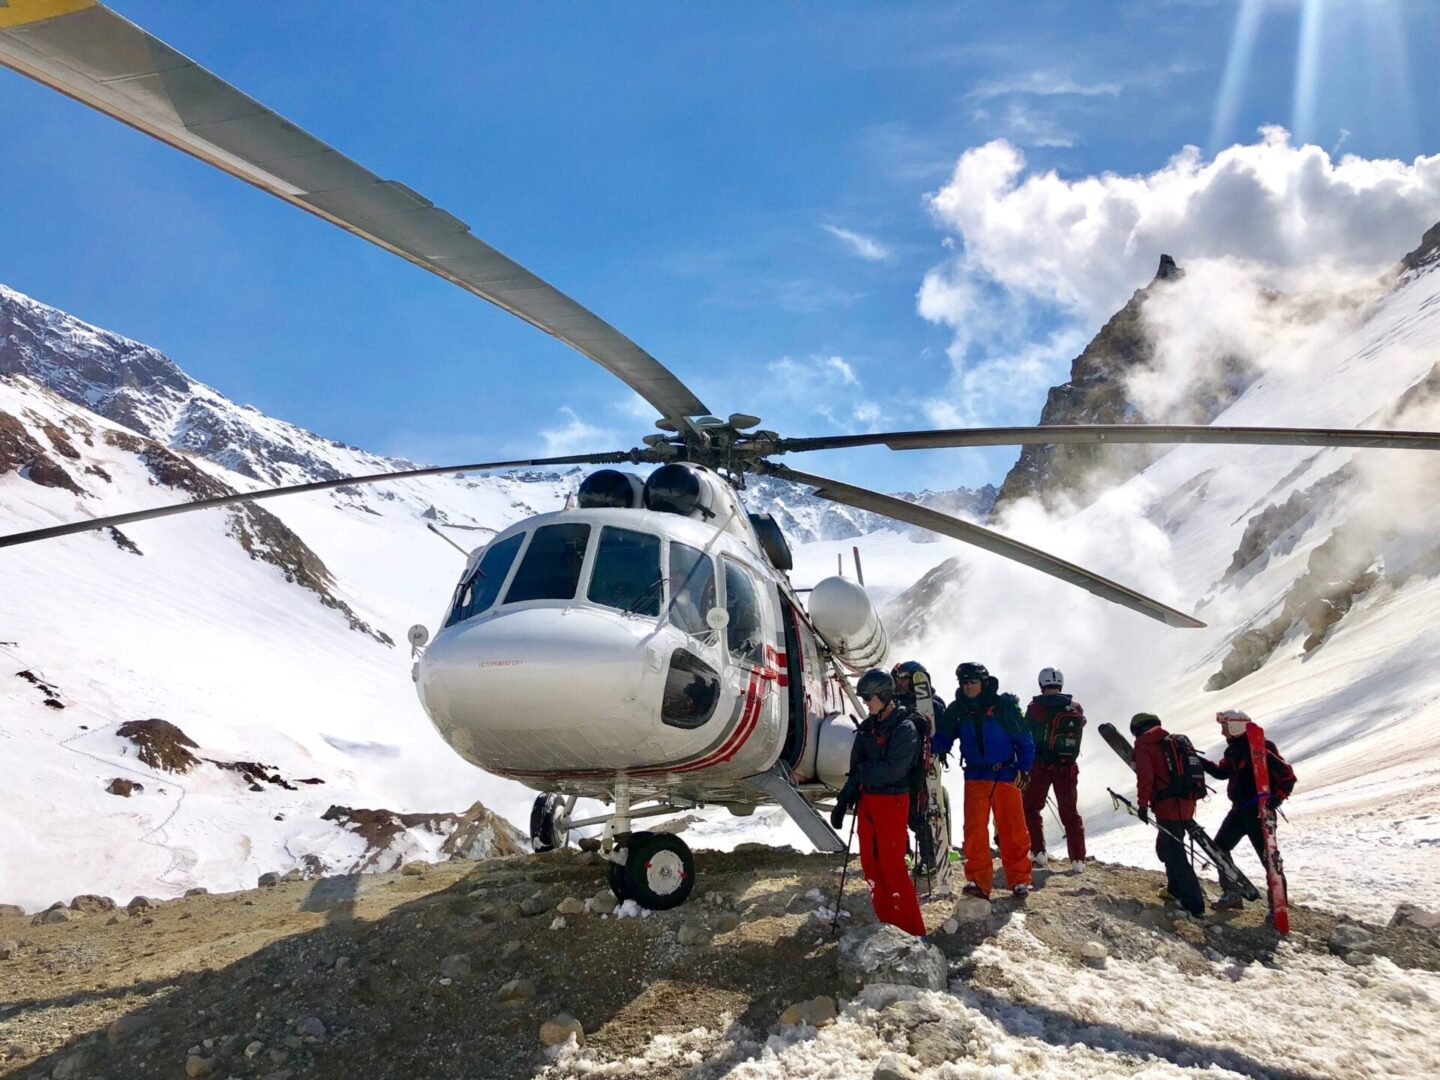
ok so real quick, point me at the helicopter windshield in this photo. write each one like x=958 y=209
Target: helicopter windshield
x=626 y=573
x=692 y=588
x=483 y=585
x=550 y=569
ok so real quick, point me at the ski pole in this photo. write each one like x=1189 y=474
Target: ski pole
x=835 y=919
x=1118 y=800
x=1050 y=805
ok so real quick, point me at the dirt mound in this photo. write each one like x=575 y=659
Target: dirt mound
x=476 y=834
x=442 y=974
x=162 y=745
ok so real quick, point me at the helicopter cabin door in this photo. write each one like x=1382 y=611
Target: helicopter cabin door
x=751 y=638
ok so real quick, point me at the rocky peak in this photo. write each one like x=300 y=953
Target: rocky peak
x=1095 y=394
x=1426 y=254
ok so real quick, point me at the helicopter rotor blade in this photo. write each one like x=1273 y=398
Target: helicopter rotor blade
x=1362 y=438
x=900 y=510
x=103 y=60
x=14 y=539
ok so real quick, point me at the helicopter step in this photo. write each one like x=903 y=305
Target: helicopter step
x=777 y=785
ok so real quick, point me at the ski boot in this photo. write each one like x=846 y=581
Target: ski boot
x=1229 y=901
x=1039 y=859
x=971 y=889
x=1021 y=891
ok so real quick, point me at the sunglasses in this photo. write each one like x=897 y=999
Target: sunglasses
x=964 y=682
x=870 y=697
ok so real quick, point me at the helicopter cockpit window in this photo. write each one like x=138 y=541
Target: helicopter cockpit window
x=692 y=588
x=550 y=569
x=626 y=574
x=483 y=585
x=742 y=604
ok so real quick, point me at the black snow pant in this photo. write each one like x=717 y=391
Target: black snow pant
x=1239 y=822
x=1180 y=876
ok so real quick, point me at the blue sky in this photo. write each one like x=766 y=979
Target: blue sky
x=764 y=196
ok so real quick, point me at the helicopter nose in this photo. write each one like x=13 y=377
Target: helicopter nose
x=546 y=688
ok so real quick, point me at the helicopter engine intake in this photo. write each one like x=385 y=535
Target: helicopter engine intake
x=842 y=612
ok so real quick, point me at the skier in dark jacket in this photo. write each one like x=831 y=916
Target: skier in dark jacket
x=882 y=764
x=997 y=752
x=1056 y=721
x=1152 y=777
x=1244 y=816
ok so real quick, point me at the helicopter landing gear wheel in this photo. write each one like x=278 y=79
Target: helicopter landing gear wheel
x=546 y=816
x=659 y=871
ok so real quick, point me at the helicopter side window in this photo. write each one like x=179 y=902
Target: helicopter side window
x=742 y=604
x=483 y=584
x=550 y=569
x=692 y=690
x=692 y=588
x=626 y=574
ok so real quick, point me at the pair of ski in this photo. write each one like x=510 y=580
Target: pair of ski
x=1220 y=859
x=932 y=840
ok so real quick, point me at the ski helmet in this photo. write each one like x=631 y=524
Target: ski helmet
x=1142 y=722
x=876 y=683
x=1050 y=676
x=971 y=670
x=1233 y=722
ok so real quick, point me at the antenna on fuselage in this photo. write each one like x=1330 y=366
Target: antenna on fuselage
x=859 y=574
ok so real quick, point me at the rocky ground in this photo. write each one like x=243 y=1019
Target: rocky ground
x=451 y=970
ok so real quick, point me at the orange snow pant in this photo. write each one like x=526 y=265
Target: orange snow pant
x=883 y=824
x=1004 y=799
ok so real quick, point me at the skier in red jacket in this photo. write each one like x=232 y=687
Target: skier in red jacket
x=1056 y=723
x=1155 y=783
x=1244 y=816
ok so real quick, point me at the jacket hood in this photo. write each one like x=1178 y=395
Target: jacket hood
x=1151 y=735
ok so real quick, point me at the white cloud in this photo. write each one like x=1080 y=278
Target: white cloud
x=575 y=436
x=824 y=386
x=1044 y=84
x=1019 y=123
x=1043 y=258
x=1085 y=244
x=864 y=246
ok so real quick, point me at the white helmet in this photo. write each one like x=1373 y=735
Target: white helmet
x=1051 y=677
x=1233 y=721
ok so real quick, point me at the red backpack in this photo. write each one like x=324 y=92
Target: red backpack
x=1062 y=734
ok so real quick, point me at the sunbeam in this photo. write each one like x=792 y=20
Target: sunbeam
x=1237 y=68
x=1307 y=71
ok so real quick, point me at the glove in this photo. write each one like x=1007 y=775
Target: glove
x=1143 y=814
x=837 y=816
x=1022 y=779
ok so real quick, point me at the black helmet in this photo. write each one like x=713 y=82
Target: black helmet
x=1143 y=721
x=875 y=683
x=907 y=669
x=971 y=670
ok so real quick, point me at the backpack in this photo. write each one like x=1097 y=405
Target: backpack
x=1187 y=774
x=1062 y=734
x=1282 y=775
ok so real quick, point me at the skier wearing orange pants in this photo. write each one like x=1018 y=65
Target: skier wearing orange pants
x=997 y=751
x=885 y=760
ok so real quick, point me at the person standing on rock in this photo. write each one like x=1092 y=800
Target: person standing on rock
x=1056 y=723
x=1244 y=816
x=883 y=771
x=996 y=751
x=1155 y=781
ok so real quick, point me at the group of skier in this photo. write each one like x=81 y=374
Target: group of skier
x=1011 y=762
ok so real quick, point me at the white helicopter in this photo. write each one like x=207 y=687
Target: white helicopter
x=689 y=672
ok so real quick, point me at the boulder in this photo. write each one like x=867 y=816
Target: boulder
x=971 y=909
x=557 y=1030
x=889 y=1068
x=54 y=915
x=532 y=905
x=92 y=904
x=515 y=991
x=311 y=1027
x=817 y=1012
x=198 y=890
x=571 y=906
x=139 y=904
x=11 y=909
x=124 y=788
x=416 y=869
x=886 y=954
x=197 y=1066
x=693 y=934
x=9 y=947
x=123 y=1027
x=603 y=902
x=269 y=880
x=1093 y=953
x=1416 y=918
x=1349 y=937
x=589 y=843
